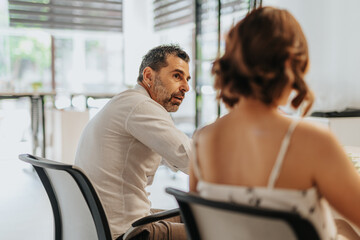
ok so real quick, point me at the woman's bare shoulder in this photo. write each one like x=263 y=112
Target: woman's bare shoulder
x=316 y=129
x=315 y=135
x=202 y=132
x=210 y=131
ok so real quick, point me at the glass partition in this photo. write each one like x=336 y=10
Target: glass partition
x=213 y=19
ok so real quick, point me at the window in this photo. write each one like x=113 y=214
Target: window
x=212 y=25
x=88 y=63
x=25 y=61
x=39 y=49
x=93 y=15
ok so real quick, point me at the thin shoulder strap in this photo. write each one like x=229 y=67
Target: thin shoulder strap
x=280 y=158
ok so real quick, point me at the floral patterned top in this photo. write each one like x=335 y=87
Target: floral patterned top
x=308 y=203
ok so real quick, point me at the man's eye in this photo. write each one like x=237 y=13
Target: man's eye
x=177 y=75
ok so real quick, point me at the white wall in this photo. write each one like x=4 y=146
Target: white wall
x=333 y=34
x=138 y=36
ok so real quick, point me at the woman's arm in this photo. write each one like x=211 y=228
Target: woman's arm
x=194 y=161
x=192 y=177
x=337 y=179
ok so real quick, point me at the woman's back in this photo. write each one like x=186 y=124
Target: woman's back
x=265 y=59
x=247 y=165
x=239 y=152
x=241 y=149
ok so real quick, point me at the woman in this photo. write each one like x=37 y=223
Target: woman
x=257 y=156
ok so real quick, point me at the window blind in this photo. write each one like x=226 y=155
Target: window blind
x=97 y=15
x=233 y=6
x=171 y=13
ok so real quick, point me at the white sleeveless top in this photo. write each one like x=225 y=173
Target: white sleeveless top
x=308 y=203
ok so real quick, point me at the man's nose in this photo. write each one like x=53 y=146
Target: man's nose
x=185 y=86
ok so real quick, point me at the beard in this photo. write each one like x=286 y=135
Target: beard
x=164 y=96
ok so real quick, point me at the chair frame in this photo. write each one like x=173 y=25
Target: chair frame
x=301 y=227
x=86 y=187
x=89 y=193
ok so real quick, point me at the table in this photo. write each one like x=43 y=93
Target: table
x=37 y=109
x=88 y=95
x=353 y=153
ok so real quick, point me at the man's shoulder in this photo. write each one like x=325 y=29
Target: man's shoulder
x=129 y=98
x=133 y=93
x=137 y=100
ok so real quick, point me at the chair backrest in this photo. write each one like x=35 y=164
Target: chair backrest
x=78 y=212
x=207 y=219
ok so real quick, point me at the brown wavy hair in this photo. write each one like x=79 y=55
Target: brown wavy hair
x=264 y=52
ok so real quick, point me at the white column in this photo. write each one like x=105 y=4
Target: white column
x=138 y=36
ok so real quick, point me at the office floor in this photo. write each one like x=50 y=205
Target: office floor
x=24 y=207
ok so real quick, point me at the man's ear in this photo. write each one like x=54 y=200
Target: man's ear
x=148 y=75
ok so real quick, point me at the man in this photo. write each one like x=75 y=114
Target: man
x=121 y=147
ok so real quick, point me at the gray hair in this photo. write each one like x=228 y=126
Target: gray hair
x=156 y=58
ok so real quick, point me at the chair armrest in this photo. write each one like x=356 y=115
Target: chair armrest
x=156 y=217
x=149 y=219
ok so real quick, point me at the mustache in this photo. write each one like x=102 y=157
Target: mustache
x=178 y=94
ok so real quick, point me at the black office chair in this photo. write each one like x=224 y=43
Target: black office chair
x=78 y=212
x=207 y=219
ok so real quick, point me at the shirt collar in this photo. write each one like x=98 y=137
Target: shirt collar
x=141 y=89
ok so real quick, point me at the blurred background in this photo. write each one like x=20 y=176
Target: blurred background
x=62 y=60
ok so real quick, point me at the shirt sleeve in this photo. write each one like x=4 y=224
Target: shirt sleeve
x=152 y=125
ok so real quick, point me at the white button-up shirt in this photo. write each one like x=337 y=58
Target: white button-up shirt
x=120 y=150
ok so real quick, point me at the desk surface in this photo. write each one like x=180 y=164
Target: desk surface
x=52 y=93
x=353 y=153
x=26 y=94
x=95 y=95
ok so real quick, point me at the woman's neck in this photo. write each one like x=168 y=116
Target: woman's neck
x=256 y=107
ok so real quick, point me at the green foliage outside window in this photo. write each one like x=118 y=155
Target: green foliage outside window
x=29 y=52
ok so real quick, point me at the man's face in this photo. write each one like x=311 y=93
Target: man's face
x=171 y=83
